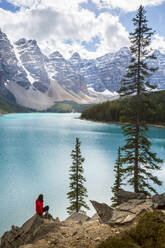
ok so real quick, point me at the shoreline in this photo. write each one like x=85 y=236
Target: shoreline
x=120 y=123
x=83 y=119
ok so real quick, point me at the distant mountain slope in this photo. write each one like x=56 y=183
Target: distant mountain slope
x=106 y=72
x=112 y=111
x=68 y=107
x=33 y=62
x=8 y=107
x=103 y=73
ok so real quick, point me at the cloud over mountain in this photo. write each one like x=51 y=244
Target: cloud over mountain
x=90 y=28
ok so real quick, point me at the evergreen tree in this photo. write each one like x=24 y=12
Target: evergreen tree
x=139 y=160
x=78 y=191
x=118 y=179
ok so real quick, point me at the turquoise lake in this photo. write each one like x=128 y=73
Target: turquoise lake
x=35 y=158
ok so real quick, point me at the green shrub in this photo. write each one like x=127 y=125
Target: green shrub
x=123 y=241
x=149 y=233
x=150 y=230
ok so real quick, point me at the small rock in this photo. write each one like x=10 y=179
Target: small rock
x=54 y=242
x=78 y=217
x=74 y=233
x=98 y=239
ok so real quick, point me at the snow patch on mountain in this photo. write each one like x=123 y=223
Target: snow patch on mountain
x=33 y=60
x=30 y=78
x=104 y=93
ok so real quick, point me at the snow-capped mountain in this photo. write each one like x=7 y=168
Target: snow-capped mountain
x=103 y=73
x=26 y=76
x=10 y=69
x=33 y=62
x=35 y=80
x=59 y=69
x=159 y=76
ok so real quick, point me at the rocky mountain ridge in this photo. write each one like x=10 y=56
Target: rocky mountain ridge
x=35 y=80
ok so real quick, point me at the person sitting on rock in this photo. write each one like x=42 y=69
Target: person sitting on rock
x=39 y=206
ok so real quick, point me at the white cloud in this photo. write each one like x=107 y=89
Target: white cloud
x=24 y=3
x=62 y=5
x=52 y=23
x=112 y=32
x=126 y=5
x=159 y=43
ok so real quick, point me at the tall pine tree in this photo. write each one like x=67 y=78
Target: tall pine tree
x=78 y=191
x=118 y=179
x=139 y=160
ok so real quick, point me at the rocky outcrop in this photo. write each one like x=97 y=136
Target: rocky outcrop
x=132 y=206
x=77 y=231
x=147 y=233
x=78 y=217
x=159 y=201
x=124 y=196
x=34 y=229
x=130 y=211
x=123 y=214
x=103 y=210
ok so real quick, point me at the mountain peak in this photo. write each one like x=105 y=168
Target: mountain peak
x=157 y=52
x=3 y=36
x=76 y=55
x=56 y=55
x=32 y=42
x=21 y=41
x=124 y=51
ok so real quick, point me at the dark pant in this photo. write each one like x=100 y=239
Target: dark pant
x=46 y=208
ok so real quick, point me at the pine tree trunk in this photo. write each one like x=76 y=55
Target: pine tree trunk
x=136 y=169
x=77 y=210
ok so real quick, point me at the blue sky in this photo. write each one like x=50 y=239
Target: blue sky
x=8 y=6
x=90 y=27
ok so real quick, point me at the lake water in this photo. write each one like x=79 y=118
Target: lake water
x=35 y=158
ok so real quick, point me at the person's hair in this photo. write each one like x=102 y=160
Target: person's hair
x=40 y=198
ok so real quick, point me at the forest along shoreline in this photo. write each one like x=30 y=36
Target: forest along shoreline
x=116 y=111
x=120 y=123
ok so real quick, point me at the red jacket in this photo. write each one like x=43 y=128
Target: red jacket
x=39 y=207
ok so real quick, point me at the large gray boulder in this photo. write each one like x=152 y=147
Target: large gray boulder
x=103 y=210
x=123 y=214
x=32 y=230
x=159 y=201
x=129 y=211
x=125 y=196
